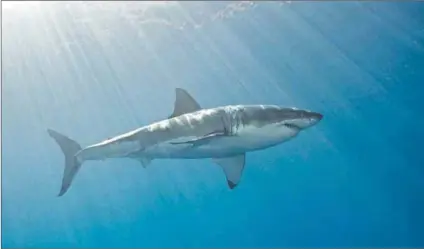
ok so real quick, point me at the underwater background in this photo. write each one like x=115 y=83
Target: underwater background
x=93 y=70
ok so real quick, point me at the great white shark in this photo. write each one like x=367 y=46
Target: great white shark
x=224 y=134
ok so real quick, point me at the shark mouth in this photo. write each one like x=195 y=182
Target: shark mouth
x=292 y=126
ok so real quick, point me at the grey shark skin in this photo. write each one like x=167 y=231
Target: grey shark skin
x=224 y=134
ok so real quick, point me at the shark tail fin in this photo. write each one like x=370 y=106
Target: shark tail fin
x=69 y=148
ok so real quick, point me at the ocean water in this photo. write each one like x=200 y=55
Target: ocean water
x=92 y=70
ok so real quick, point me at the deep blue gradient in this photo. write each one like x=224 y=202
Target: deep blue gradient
x=96 y=70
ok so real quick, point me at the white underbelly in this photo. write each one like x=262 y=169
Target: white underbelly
x=175 y=148
x=250 y=139
x=244 y=141
x=265 y=136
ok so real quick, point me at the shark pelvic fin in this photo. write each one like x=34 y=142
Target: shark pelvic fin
x=233 y=168
x=145 y=161
x=184 y=103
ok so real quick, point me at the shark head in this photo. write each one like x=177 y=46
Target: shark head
x=293 y=118
x=276 y=121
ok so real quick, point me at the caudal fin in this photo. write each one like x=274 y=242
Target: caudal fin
x=69 y=148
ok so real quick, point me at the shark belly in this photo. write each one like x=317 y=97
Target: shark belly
x=169 y=149
x=248 y=139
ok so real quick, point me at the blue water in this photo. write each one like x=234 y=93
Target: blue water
x=95 y=70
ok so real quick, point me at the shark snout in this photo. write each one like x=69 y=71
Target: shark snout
x=314 y=116
x=311 y=118
x=305 y=119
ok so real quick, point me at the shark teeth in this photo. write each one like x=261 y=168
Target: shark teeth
x=292 y=126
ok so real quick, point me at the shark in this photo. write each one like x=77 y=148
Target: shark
x=223 y=134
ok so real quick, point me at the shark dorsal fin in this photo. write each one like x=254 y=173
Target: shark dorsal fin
x=184 y=103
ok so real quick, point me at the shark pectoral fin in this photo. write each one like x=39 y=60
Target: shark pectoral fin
x=145 y=161
x=184 y=103
x=233 y=168
x=202 y=140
